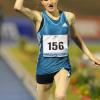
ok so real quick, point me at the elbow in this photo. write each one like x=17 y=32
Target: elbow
x=17 y=8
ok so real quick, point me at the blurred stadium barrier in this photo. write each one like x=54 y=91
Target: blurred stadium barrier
x=89 y=27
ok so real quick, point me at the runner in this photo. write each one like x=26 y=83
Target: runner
x=53 y=28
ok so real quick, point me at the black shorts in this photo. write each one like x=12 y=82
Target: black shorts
x=48 y=78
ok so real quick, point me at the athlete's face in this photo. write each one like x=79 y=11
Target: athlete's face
x=50 y=5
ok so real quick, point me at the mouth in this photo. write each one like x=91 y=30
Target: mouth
x=50 y=6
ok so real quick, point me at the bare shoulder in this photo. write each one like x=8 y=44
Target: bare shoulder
x=70 y=17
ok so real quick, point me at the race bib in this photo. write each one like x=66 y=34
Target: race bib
x=55 y=45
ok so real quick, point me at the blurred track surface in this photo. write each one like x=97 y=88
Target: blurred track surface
x=11 y=88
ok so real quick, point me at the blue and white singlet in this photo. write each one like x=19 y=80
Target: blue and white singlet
x=53 y=43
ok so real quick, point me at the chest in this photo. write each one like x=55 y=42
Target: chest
x=54 y=27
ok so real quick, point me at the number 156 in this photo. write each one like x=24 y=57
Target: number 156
x=56 y=45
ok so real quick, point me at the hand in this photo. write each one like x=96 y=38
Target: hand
x=96 y=61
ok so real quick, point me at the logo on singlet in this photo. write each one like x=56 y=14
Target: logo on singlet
x=64 y=25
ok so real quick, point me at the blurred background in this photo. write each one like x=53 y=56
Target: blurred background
x=17 y=34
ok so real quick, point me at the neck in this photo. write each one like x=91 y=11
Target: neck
x=54 y=14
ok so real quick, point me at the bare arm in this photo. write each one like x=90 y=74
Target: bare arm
x=78 y=40
x=80 y=43
x=32 y=14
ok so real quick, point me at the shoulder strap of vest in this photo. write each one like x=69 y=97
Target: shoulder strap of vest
x=41 y=25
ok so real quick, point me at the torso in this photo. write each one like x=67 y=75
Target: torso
x=52 y=31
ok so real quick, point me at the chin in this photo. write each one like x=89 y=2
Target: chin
x=51 y=10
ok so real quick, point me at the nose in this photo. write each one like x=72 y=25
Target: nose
x=49 y=1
